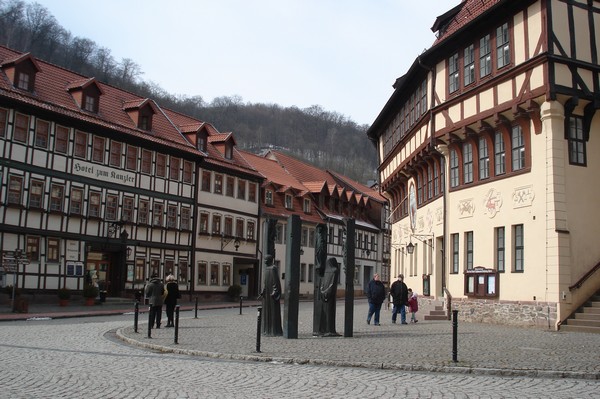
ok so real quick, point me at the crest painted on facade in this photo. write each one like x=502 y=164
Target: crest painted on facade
x=466 y=208
x=523 y=196
x=492 y=202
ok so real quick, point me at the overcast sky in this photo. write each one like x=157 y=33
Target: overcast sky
x=343 y=55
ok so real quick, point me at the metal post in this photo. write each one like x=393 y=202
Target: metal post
x=176 y=324
x=136 y=315
x=149 y=321
x=258 y=319
x=454 y=335
x=241 y=298
x=196 y=311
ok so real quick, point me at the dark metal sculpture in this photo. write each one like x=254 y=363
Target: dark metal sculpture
x=320 y=260
x=271 y=296
x=328 y=291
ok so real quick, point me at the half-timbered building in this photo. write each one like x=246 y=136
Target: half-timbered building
x=487 y=158
x=98 y=184
x=318 y=196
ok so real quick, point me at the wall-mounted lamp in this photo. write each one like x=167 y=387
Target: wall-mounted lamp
x=225 y=241
x=129 y=250
x=410 y=248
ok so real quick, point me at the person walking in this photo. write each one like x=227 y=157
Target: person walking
x=171 y=300
x=399 y=293
x=413 y=305
x=154 y=292
x=376 y=296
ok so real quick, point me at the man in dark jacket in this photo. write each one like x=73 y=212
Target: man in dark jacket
x=399 y=293
x=155 y=294
x=376 y=296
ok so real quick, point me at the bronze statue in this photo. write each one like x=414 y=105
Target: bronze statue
x=271 y=296
x=328 y=292
x=320 y=260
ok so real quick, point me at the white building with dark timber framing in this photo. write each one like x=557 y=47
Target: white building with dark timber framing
x=487 y=149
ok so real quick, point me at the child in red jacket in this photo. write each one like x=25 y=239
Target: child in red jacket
x=413 y=305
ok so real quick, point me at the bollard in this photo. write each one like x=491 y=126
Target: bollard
x=454 y=336
x=196 y=313
x=176 y=324
x=258 y=318
x=149 y=320
x=136 y=315
x=241 y=297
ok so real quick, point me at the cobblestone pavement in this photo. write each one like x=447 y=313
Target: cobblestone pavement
x=424 y=346
x=82 y=358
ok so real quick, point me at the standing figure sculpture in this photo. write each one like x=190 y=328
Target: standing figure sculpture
x=271 y=296
x=328 y=291
x=320 y=261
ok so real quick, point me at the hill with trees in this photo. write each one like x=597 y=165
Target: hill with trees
x=325 y=139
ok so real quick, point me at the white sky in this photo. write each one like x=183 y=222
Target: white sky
x=343 y=55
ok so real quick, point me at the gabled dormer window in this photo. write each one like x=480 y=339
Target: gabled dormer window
x=202 y=140
x=268 y=197
x=21 y=71
x=306 y=205
x=23 y=81
x=140 y=112
x=288 y=202
x=86 y=94
x=229 y=150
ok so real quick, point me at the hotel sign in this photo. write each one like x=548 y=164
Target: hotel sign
x=103 y=173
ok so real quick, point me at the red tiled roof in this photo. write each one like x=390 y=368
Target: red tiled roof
x=51 y=93
x=459 y=16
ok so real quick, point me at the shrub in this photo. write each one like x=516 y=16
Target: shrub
x=234 y=291
x=64 y=293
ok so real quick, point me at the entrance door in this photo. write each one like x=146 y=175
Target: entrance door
x=98 y=268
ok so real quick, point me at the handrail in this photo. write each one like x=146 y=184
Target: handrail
x=580 y=282
x=448 y=303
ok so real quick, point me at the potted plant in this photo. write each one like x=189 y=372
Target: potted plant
x=90 y=292
x=64 y=294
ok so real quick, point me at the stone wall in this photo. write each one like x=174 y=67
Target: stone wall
x=514 y=313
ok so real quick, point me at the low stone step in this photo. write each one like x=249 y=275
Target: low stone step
x=585 y=329
x=591 y=310
x=595 y=304
x=437 y=313
x=587 y=316
x=436 y=317
x=583 y=322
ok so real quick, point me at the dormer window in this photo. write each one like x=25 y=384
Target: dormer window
x=228 y=150
x=86 y=93
x=306 y=205
x=21 y=71
x=140 y=112
x=269 y=197
x=202 y=141
x=288 y=201
x=89 y=103
x=23 y=81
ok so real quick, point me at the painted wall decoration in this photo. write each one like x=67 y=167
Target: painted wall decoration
x=412 y=205
x=466 y=208
x=523 y=196
x=492 y=202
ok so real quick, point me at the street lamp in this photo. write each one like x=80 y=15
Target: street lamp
x=224 y=242
x=410 y=248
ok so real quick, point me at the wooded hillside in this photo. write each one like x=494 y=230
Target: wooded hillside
x=326 y=139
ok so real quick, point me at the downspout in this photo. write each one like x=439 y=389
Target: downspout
x=434 y=149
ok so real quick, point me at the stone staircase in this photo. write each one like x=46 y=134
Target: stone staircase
x=586 y=319
x=438 y=313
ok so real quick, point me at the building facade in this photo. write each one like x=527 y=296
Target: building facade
x=487 y=158
x=101 y=185
x=292 y=187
